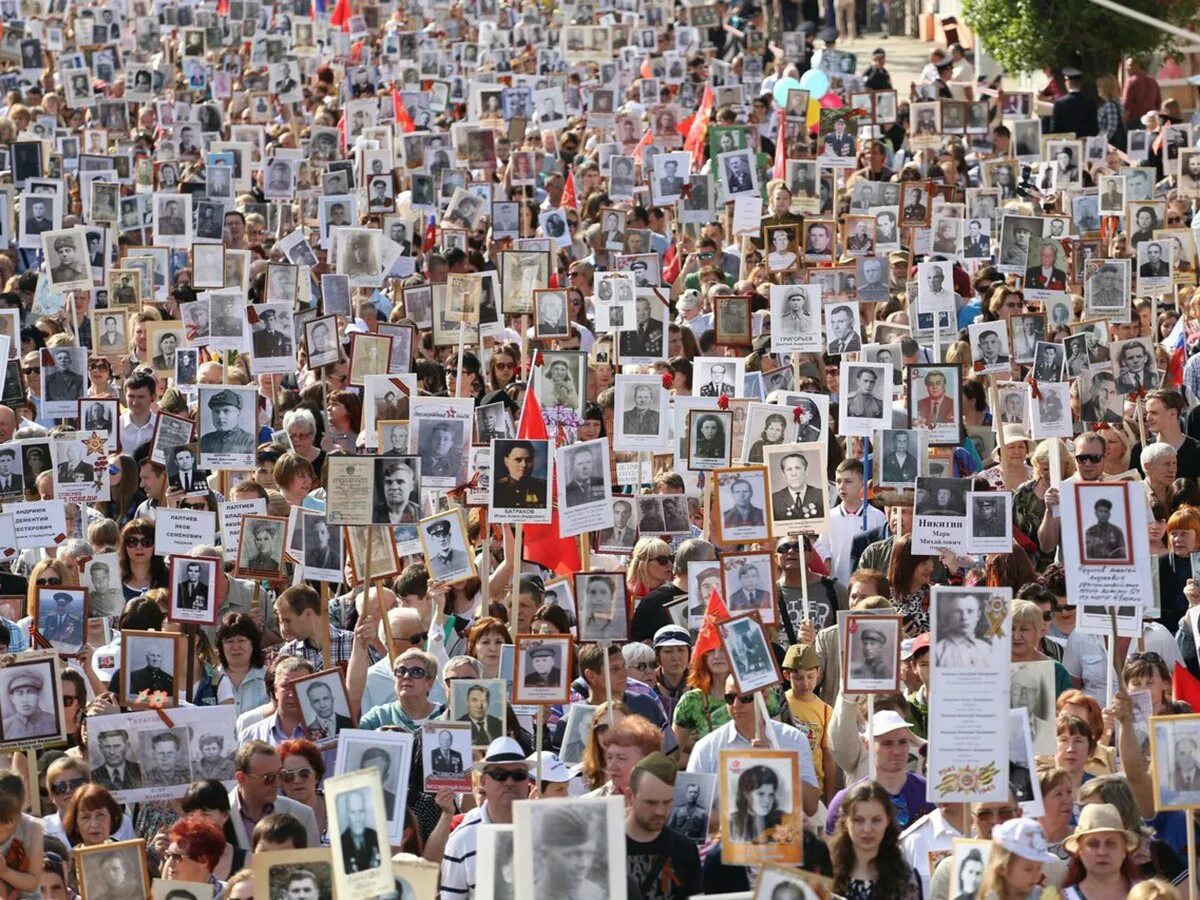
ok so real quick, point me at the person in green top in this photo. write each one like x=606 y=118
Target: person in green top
x=702 y=708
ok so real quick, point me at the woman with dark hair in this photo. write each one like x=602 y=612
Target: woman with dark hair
x=484 y=640
x=208 y=799
x=910 y=576
x=141 y=568
x=867 y=861
x=344 y=409
x=303 y=772
x=243 y=664
x=710 y=437
x=125 y=494
x=504 y=366
x=756 y=814
x=774 y=429
x=92 y=816
x=551 y=619
x=592 y=425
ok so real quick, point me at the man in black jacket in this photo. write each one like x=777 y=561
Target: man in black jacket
x=1075 y=112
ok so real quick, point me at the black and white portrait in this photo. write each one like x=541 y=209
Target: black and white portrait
x=1103 y=528
x=603 y=612
x=542 y=669
x=796 y=318
x=872 y=653
x=67 y=259
x=30 y=708
x=968 y=624
x=899 y=457
x=444 y=541
x=710 y=437
x=945 y=497
x=479 y=703
x=796 y=479
x=261 y=546
x=641 y=415
x=324 y=706
x=228 y=425
x=864 y=399
x=114 y=870
x=446 y=754
x=569 y=846
x=751 y=662
x=358 y=818
x=149 y=663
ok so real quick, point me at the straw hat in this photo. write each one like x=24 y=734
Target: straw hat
x=1096 y=818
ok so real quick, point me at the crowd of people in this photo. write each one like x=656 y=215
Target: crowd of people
x=716 y=402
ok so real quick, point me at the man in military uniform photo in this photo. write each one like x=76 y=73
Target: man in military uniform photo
x=517 y=488
x=643 y=418
x=445 y=461
x=863 y=403
x=444 y=759
x=690 y=818
x=445 y=560
x=63 y=383
x=270 y=340
x=582 y=488
x=646 y=340
x=167 y=768
x=70 y=267
x=225 y=436
x=1104 y=540
x=543 y=668
x=151 y=677
x=1017 y=253
x=265 y=544
x=170 y=220
x=193 y=593
x=28 y=719
x=957 y=645
x=870 y=662
x=60 y=625
x=916 y=210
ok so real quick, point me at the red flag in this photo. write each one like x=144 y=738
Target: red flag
x=222 y=7
x=707 y=638
x=698 y=131
x=356 y=50
x=781 y=150
x=543 y=544
x=430 y=236
x=341 y=127
x=568 y=194
x=341 y=15
x=403 y=119
x=1185 y=687
x=1175 y=366
x=646 y=141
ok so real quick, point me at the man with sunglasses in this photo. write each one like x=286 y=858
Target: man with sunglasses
x=504 y=780
x=741 y=731
x=258 y=776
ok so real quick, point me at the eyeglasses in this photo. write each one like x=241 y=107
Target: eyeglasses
x=29 y=371
x=793 y=547
x=414 y=672
x=62 y=788
x=1088 y=457
x=741 y=698
x=503 y=775
x=134 y=541
x=290 y=775
x=641 y=667
x=663 y=560
x=1003 y=814
x=49 y=581
x=1047 y=615
x=174 y=856
x=1149 y=656
x=415 y=639
x=68 y=699
x=269 y=779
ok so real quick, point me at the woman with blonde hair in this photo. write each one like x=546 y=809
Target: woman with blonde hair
x=1119 y=439
x=650 y=567
x=1029 y=504
x=1014 y=865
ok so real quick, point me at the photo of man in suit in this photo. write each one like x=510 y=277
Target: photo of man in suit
x=977 y=245
x=583 y=487
x=445 y=760
x=718 y=384
x=749 y=594
x=73 y=470
x=11 y=483
x=319 y=541
x=360 y=842
x=1046 y=276
x=193 y=592
x=485 y=727
x=843 y=338
x=265 y=544
x=117 y=771
x=623 y=533
x=838 y=142
x=326 y=721
x=989 y=349
x=936 y=408
x=737 y=175
x=797 y=499
x=1154 y=266
x=744 y=512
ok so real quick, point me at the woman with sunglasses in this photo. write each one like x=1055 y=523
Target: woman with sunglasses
x=303 y=772
x=648 y=579
x=640 y=663
x=504 y=366
x=1028 y=628
x=141 y=568
x=48 y=573
x=100 y=381
x=1029 y=503
x=64 y=777
x=414 y=671
x=209 y=799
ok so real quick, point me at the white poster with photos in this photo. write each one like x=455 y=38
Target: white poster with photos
x=989 y=522
x=362 y=861
x=153 y=766
x=1106 y=554
x=584 y=486
x=989 y=348
x=641 y=420
x=390 y=754
x=796 y=318
x=864 y=402
x=1049 y=412
x=1175 y=761
x=970 y=656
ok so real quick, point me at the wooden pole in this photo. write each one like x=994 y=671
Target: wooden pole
x=1112 y=654
x=485 y=589
x=605 y=645
x=537 y=745
x=706 y=501
x=806 y=611
x=35 y=795
x=870 y=735
x=515 y=600
x=326 y=636
x=1191 y=854
x=189 y=635
x=585 y=551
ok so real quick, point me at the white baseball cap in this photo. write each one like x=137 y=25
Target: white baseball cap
x=689 y=299
x=886 y=721
x=553 y=769
x=1025 y=838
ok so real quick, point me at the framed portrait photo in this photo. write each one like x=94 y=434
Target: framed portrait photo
x=542 y=669
x=603 y=606
x=307 y=872
x=871 y=648
x=751 y=662
x=710 y=439
x=747 y=584
x=480 y=703
x=60 y=615
x=113 y=870
x=796 y=483
x=260 y=550
x=446 y=755
x=152 y=663
x=324 y=705
x=444 y=544
x=550 y=838
x=741 y=505
x=362 y=861
x=934 y=402
x=193 y=581
x=31 y=710
x=1103 y=524
x=749 y=839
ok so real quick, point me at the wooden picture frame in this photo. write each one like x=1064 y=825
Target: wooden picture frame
x=153 y=680
x=852 y=624
x=90 y=886
x=732 y=320
x=245 y=565
x=59 y=624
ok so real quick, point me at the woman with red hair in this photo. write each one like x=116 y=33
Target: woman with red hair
x=303 y=769
x=195 y=848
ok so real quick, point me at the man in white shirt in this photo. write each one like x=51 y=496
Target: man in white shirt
x=847 y=520
x=739 y=732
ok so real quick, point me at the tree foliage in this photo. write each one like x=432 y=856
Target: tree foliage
x=1029 y=35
